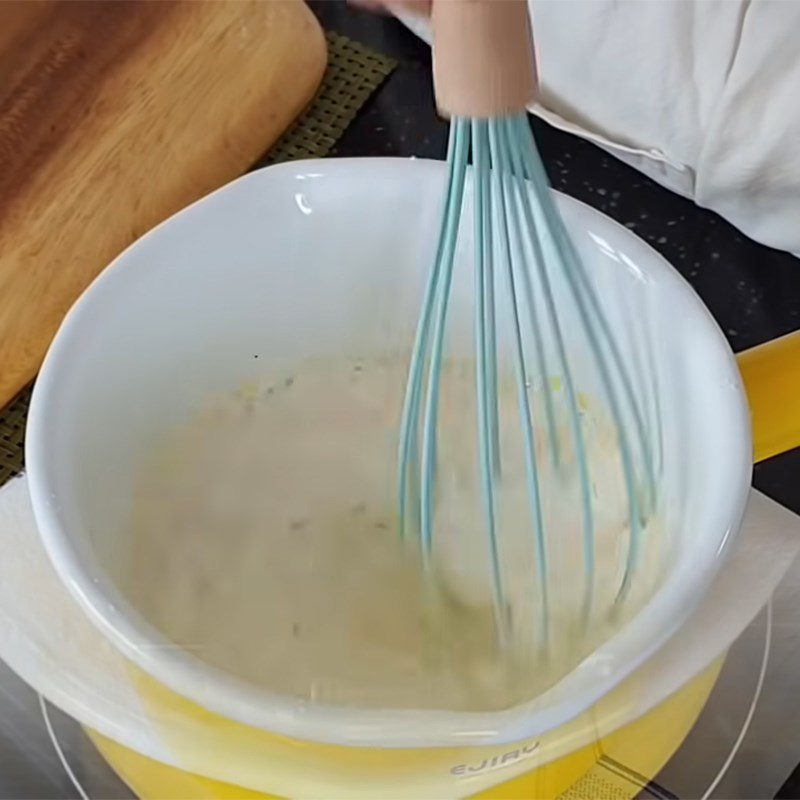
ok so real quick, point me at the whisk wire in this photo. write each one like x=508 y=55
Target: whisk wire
x=407 y=456
x=523 y=243
x=598 y=331
x=501 y=170
x=431 y=412
x=485 y=363
x=516 y=144
x=484 y=172
x=408 y=488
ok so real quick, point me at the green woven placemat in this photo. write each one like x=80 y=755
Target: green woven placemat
x=12 y=436
x=354 y=72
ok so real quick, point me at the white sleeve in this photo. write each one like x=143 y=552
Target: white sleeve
x=701 y=95
x=749 y=167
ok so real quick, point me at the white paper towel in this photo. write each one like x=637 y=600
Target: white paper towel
x=49 y=642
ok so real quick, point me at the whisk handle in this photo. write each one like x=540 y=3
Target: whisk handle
x=483 y=61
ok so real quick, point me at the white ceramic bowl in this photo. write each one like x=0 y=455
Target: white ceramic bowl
x=329 y=257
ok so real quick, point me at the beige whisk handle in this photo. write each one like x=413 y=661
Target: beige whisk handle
x=483 y=62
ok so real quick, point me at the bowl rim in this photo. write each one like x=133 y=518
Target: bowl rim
x=236 y=699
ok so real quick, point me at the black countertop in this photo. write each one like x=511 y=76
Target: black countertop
x=753 y=291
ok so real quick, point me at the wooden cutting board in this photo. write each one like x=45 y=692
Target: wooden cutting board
x=114 y=115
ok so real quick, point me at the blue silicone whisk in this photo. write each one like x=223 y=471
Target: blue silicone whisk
x=526 y=270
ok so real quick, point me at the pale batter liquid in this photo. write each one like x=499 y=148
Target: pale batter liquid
x=265 y=542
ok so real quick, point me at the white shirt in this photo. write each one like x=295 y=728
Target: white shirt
x=701 y=95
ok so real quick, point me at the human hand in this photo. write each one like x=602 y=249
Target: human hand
x=483 y=62
x=417 y=7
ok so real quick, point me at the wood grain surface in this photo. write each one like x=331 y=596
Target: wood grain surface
x=114 y=115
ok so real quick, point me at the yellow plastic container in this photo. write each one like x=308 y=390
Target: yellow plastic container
x=771 y=374
x=644 y=745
